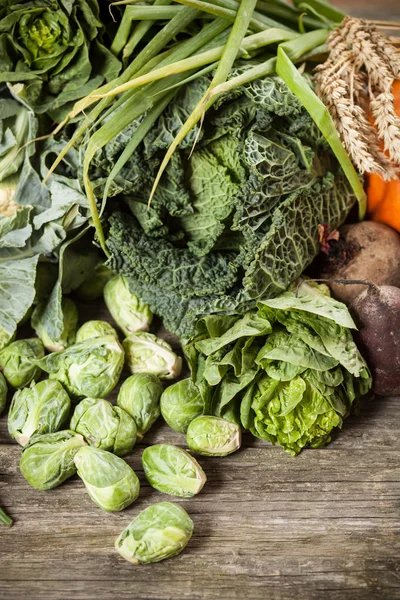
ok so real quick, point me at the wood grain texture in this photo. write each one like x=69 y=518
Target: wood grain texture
x=322 y=526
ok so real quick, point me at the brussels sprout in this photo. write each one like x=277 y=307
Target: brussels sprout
x=91 y=368
x=104 y=426
x=180 y=404
x=48 y=460
x=18 y=362
x=127 y=310
x=40 y=323
x=109 y=480
x=94 y=329
x=43 y=408
x=172 y=470
x=213 y=436
x=93 y=287
x=3 y=393
x=140 y=397
x=146 y=353
x=160 y=531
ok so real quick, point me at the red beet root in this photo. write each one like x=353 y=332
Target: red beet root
x=376 y=312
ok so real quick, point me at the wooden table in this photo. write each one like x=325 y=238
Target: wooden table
x=324 y=525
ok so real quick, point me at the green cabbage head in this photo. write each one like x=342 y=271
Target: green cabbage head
x=54 y=48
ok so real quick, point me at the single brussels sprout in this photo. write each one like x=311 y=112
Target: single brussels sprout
x=91 y=368
x=93 y=287
x=94 y=329
x=213 y=436
x=110 y=482
x=140 y=397
x=146 y=353
x=43 y=408
x=18 y=361
x=181 y=403
x=127 y=310
x=48 y=460
x=172 y=470
x=40 y=323
x=3 y=393
x=160 y=531
x=104 y=426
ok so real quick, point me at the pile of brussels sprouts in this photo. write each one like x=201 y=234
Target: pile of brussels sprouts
x=84 y=365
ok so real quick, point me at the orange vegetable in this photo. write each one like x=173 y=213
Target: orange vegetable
x=383 y=197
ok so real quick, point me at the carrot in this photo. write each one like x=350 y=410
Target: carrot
x=383 y=197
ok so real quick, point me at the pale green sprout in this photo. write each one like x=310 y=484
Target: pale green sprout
x=109 y=480
x=3 y=393
x=48 y=460
x=213 y=436
x=160 y=531
x=39 y=323
x=127 y=310
x=91 y=368
x=94 y=329
x=145 y=353
x=18 y=361
x=140 y=397
x=104 y=426
x=181 y=403
x=172 y=470
x=43 y=408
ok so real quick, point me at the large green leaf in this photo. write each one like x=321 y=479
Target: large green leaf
x=17 y=291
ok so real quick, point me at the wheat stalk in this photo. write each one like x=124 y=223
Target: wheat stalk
x=356 y=82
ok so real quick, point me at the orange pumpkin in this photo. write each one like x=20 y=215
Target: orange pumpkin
x=384 y=196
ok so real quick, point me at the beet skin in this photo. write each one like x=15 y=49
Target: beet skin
x=376 y=312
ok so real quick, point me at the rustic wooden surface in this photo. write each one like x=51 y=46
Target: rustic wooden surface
x=324 y=525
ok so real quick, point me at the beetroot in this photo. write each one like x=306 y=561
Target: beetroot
x=376 y=312
x=368 y=251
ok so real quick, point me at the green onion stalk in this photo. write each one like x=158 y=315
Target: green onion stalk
x=227 y=30
x=5 y=519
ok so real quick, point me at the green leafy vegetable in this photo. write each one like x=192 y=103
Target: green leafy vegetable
x=17 y=292
x=213 y=436
x=127 y=310
x=181 y=403
x=104 y=426
x=43 y=408
x=48 y=460
x=109 y=480
x=18 y=362
x=292 y=384
x=160 y=531
x=139 y=396
x=91 y=368
x=94 y=329
x=172 y=470
x=54 y=47
x=262 y=161
x=145 y=353
x=44 y=328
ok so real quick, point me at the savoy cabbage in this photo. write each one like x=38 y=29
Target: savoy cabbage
x=233 y=221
